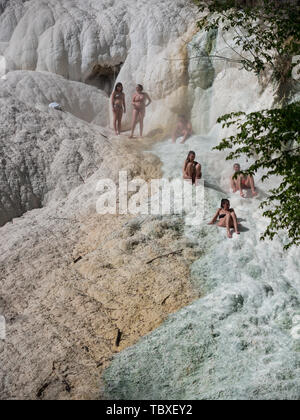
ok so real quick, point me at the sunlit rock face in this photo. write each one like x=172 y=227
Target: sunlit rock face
x=11 y=11
x=73 y=53
x=241 y=339
x=217 y=82
x=43 y=156
x=39 y=89
x=101 y=42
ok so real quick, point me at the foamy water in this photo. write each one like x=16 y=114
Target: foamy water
x=241 y=340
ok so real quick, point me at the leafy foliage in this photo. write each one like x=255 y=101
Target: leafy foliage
x=266 y=31
x=267 y=35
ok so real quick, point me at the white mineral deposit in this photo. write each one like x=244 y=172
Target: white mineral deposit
x=129 y=306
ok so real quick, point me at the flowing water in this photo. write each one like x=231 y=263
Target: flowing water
x=241 y=339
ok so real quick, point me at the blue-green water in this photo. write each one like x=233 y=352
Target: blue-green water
x=241 y=340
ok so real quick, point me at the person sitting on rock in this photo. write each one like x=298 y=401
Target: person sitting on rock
x=183 y=129
x=191 y=168
x=241 y=182
x=227 y=218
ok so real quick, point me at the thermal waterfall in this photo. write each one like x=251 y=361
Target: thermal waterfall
x=240 y=339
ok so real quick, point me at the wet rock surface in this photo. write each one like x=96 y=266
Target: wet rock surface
x=77 y=287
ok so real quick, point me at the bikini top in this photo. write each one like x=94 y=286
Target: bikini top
x=223 y=215
x=139 y=98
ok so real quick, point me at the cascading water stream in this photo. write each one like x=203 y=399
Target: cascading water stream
x=241 y=339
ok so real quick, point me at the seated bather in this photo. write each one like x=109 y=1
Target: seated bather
x=242 y=182
x=191 y=168
x=227 y=218
x=183 y=129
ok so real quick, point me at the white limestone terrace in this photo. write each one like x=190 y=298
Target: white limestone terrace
x=100 y=42
x=71 y=52
x=43 y=156
x=236 y=341
x=240 y=340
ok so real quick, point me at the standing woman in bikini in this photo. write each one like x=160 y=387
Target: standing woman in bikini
x=139 y=109
x=118 y=106
x=191 y=168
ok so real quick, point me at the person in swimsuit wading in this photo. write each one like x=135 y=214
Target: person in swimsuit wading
x=191 y=168
x=242 y=182
x=227 y=218
x=139 y=109
x=118 y=106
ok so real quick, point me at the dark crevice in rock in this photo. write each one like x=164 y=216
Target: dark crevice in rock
x=104 y=77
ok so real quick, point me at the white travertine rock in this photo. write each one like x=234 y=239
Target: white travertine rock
x=72 y=38
x=217 y=82
x=11 y=11
x=63 y=317
x=72 y=280
x=41 y=88
x=44 y=155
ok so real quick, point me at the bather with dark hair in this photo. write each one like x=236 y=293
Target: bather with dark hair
x=227 y=218
x=118 y=106
x=191 y=168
